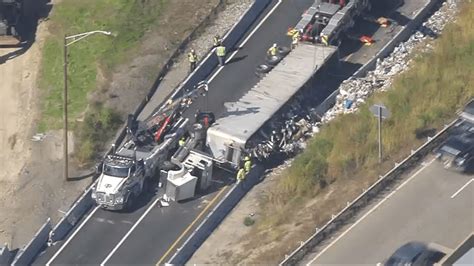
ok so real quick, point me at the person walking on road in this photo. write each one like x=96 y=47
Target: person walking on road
x=216 y=41
x=247 y=164
x=295 y=38
x=220 y=52
x=192 y=57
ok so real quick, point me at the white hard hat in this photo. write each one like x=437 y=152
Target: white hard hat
x=274 y=45
x=192 y=50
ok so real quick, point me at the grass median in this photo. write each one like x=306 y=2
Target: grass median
x=90 y=61
x=342 y=159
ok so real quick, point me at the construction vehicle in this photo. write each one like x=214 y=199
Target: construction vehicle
x=10 y=14
x=123 y=175
x=325 y=20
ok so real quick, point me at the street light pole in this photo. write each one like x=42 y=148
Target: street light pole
x=74 y=38
x=66 y=163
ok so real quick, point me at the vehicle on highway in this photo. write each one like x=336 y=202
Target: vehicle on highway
x=10 y=13
x=124 y=174
x=457 y=152
x=468 y=113
x=414 y=253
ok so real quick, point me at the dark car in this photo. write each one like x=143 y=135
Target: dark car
x=414 y=253
x=457 y=152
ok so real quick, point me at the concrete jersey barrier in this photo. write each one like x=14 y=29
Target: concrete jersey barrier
x=27 y=254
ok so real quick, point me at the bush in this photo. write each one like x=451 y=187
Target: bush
x=248 y=221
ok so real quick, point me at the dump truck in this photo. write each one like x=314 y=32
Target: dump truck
x=10 y=14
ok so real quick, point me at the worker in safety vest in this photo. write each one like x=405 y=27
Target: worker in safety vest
x=241 y=175
x=182 y=141
x=272 y=51
x=192 y=57
x=220 y=52
x=295 y=38
x=216 y=41
x=324 y=39
x=247 y=164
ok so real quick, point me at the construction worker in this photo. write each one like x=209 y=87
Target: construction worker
x=241 y=175
x=216 y=41
x=192 y=57
x=247 y=164
x=220 y=52
x=272 y=51
x=182 y=141
x=383 y=22
x=295 y=38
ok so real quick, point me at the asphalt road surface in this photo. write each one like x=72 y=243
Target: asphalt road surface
x=433 y=205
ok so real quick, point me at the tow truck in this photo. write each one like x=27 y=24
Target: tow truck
x=124 y=174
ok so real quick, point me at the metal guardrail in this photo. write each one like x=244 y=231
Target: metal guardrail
x=84 y=202
x=364 y=199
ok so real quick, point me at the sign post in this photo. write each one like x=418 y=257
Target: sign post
x=381 y=112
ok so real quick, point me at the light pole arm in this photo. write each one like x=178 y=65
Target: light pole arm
x=80 y=36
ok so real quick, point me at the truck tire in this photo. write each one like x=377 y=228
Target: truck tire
x=283 y=51
x=262 y=70
x=273 y=60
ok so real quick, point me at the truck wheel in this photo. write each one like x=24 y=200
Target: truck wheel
x=130 y=202
x=273 y=60
x=262 y=70
x=283 y=51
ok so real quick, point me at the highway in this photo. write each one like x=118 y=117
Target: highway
x=149 y=234
x=432 y=205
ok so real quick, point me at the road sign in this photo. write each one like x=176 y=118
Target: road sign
x=381 y=112
x=384 y=112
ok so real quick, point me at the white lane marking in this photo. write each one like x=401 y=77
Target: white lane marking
x=371 y=210
x=72 y=236
x=130 y=231
x=463 y=187
x=245 y=41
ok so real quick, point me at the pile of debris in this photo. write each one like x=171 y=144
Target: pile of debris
x=354 y=91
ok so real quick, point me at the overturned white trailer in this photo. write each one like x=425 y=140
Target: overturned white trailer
x=228 y=136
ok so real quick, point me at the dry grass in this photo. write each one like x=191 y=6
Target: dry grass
x=342 y=160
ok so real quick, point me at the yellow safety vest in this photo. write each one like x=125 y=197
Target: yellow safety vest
x=217 y=41
x=296 y=37
x=192 y=57
x=241 y=174
x=247 y=166
x=324 y=39
x=272 y=51
x=220 y=51
x=181 y=142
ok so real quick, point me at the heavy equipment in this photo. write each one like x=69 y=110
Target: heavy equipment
x=10 y=14
x=124 y=173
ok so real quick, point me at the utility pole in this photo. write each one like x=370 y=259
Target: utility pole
x=74 y=38
x=65 y=150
